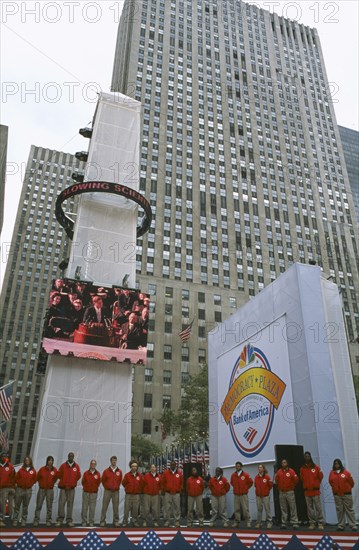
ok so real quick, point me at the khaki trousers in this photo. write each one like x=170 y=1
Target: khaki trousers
x=88 y=506
x=263 y=502
x=219 y=508
x=344 y=506
x=314 y=510
x=5 y=493
x=288 y=499
x=172 y=504
x=43 y=494
x=66 y=498
x=191 y=502
x=151 y=506
x=22 y=498
x=132 y=504
x=241 y=509
x=114 y=497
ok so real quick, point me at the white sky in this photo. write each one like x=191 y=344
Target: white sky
x=54 y=60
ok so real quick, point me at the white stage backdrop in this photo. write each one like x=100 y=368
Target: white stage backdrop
x=256 y=399
x=280 y=373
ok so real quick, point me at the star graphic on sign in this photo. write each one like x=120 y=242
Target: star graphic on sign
x=263 y=542
x=326 y=543
x=27 y=542
x=205 y=542
x=91 y=542
x=151 y=542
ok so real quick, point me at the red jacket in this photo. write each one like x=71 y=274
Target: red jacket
x=263 y=485
x=241 y=483
x=69 y=475
x=25 y=478
x=195 y=486
x=47 y=478
x=341 y=483
x=7 y=475
x=218 y=486
x=111 y=480
x=286 y=480
x=151 y=484
x=311 y=477
x=132 y=483
x=172 y=482
x=91 y=481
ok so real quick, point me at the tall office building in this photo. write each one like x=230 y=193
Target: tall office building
x=350 y=143
x=242 y=162
x=38 y=245
x=4 y=130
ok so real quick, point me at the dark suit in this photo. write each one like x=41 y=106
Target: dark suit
x=90 y=315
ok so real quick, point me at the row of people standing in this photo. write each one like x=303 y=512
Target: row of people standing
x=170 y=485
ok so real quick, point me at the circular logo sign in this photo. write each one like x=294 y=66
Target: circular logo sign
x=253 y=395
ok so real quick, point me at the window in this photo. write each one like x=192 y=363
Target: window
x=168 y=309
x=202 y=355
x=166 y=402
x=185 y=294
x=146 y=426
x=167 y=376
x=147 y=400
x=168 y=327
x=217 y=300
x=185 y=354
x=218 y=316
x=201 y=297
x=148 y=375
x=232 y=302
x=201 y=332
x=169 y=292
x=167 y=352
x=152 y=289
x=201 y=314
x=185 y=311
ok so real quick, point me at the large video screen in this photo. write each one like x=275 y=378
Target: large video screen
x=85 y=320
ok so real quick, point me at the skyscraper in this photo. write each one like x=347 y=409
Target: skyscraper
x=3 y=152
x=38 y=245
x=350 y=142
x=242 y=162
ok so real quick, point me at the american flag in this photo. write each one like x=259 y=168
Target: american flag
x=41 y=538
x=4 y=440
x=185 y=333
x=6 y=400
x=199 y=453
x=206 y=452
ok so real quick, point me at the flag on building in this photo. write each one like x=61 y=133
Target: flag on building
x=6 y=400
x=4 y=439
x=185 y=333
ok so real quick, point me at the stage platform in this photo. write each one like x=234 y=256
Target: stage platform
x=175 y=539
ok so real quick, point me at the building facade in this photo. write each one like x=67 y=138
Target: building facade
x=350 y=143
x=243 y=165
x=4 y=130
x=38 y=245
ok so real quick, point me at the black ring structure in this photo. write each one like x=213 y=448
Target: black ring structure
x=102 y=187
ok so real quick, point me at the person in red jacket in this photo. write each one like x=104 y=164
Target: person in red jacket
x=69 y=474
x=91 y=480
x=132 y=483
x=286 y=480
x=219 y=487
x=7 y=484
x=263 y=485
x=311 y=477
x=195 y=488
x=46 y=478
x=111 y=481
x=241 y=482
x=172 y=486
x=151 y=490
x=341 y=482
x=25 y=479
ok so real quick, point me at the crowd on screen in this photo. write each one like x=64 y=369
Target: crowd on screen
x=120 y=313
x=148 y=493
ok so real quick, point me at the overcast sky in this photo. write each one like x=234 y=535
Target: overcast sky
x=56 y=55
